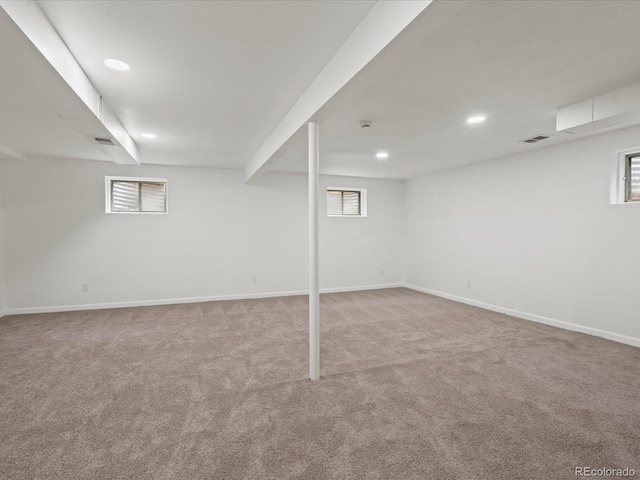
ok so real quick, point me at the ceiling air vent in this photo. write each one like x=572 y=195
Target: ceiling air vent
x=536 y=138
x=107 y=141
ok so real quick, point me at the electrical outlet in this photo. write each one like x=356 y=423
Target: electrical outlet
x=254 y=279
x=85 y=287
x=468 y=283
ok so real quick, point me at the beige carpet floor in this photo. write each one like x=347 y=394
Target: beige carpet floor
x=413 y=387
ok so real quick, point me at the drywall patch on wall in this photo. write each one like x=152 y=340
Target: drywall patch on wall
x=531 y=233
x=218 y=237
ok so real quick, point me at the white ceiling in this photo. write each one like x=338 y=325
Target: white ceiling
x=33 y=98
x=513 y=61
x=210 y=79
x=213 y=79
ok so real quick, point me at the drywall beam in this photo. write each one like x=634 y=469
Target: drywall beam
x=619 y=108
x=314 y=252
x=381 y=25
x=30 y=18
x=10 y=153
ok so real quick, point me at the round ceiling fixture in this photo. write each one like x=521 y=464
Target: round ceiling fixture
x=365 y=124
x=115 y=64
x=149 y=135
x=382 y=155
x=476 y=119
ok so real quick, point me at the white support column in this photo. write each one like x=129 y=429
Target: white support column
x=314 y=254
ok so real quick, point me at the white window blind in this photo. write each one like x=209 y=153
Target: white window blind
x=351 y=203
x=152 y=197
x=131 y=195
x=344 y=202
x=334 y=202
x=633 y=178
x=125 y=197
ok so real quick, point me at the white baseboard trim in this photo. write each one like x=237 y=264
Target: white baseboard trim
x=358 y=289
x=535 y=318
x=173 y=301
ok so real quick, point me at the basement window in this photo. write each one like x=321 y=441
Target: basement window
x=346 y=202
x=136 y=195
x=625 y=178
x=632 y=178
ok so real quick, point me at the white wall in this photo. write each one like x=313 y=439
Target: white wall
x=2 y=283
x=218 y=234
x=354 y=251
x=533 y=233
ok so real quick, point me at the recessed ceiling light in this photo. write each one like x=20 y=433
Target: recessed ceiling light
x=477 y=119
x=149 y=135
x=382 y=155
x=117 y=64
